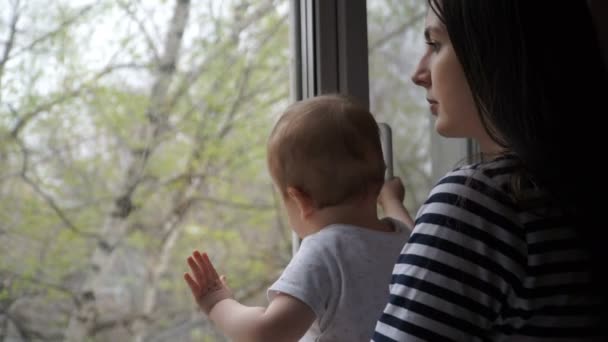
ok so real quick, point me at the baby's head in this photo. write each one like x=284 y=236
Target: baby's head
x=327 y=147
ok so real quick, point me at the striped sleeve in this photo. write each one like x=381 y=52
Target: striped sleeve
x=465 y=254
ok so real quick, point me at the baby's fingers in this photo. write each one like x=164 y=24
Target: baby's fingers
x=197 y=271
x=224 y=281
x=194 y=287
x=209 y=269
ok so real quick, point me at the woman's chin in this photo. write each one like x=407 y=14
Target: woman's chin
x=441 y=129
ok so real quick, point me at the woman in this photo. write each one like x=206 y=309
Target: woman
x=507 y=248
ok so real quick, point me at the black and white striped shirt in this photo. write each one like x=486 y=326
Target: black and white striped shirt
x=479 y=267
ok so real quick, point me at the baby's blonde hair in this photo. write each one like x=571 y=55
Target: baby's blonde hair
x=328 y=147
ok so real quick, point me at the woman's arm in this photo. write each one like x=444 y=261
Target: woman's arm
x=391 y=199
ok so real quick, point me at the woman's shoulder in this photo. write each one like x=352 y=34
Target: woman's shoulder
x=476 y=196
x=497 y=168
x=489 y=178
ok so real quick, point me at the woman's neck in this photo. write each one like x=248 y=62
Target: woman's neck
x=490 y=149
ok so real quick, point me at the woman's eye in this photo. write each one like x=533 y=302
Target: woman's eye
x=433 y=45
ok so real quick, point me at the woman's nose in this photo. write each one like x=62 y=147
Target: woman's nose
x=421 y=75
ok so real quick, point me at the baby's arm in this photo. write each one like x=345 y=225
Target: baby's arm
x=391 y=199
x=285 y=319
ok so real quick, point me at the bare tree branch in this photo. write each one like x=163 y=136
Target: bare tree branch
x=115 y=224
x=236 y=104
x=396 y=32
x=236 y=205
x=221 y=48
x=22 y=331
x=171 y=229
x=10 y=40
x=168 y=61
x=181 y=326
x=44 y=283
x=123 y=321
x=142 y=28
x=249 y=292
x=62 y=25
x=48 y=198
x=67 y=95
x=280 y=225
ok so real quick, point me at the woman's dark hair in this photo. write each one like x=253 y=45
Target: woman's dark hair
x=538 y=79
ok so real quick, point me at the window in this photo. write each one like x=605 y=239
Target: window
x=395 y=43
x=131 y=133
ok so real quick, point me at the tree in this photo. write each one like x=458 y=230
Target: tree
x=132 y=170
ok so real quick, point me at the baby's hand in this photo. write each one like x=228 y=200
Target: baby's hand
x=206 y=286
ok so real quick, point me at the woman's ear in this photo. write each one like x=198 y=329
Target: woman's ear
x=303 y=201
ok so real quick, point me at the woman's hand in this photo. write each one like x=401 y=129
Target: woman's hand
x=391 y=199
x=392 y=190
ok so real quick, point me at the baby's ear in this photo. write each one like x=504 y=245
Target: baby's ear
x=303 y=201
